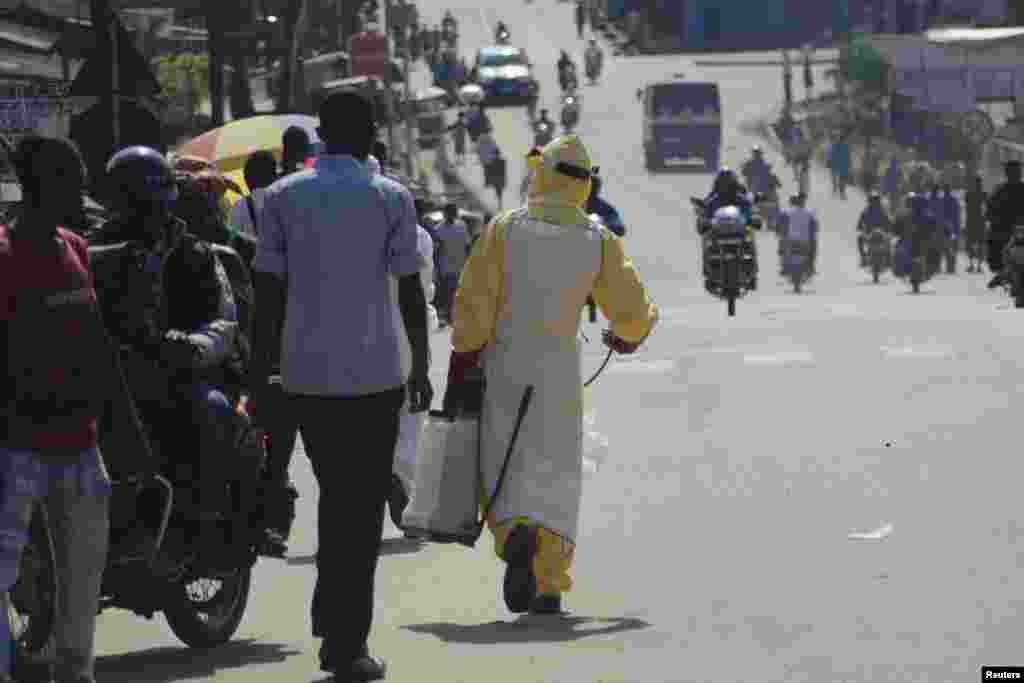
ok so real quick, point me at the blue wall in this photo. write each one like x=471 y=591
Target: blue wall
x=758 y=24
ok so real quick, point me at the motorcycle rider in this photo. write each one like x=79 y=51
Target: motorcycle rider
x=1005 y=210
x=758 y=174
x=873 y=216
x=951 y=217
x=730 y=220
x=501 y=33
x=594 y=58
x=570 y=114
x=925 y=232
x=727 y=190
x=167 y=300
x=566 y=71
x=597 y=205
x=975 y=200
x=799 y=224
x=543 y=129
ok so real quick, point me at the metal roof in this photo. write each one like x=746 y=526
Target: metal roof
x=975 y=37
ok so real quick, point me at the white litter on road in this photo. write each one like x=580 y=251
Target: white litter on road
x=876 y=535
x=779 y=358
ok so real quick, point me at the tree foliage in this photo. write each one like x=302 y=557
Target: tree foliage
x=185 y=79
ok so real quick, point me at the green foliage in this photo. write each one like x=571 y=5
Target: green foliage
x=185 y=79
x=865 y=65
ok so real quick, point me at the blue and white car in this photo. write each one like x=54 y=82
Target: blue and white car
x=503 y=71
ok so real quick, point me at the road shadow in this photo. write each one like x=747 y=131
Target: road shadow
x=923 y=292
x=167 y=664
x=530 y=629
x=388 y=546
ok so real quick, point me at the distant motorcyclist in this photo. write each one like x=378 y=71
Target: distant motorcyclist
x=501 y=33
x=728 y=191
x=873 y=216
x=594 y=60
x=543 y=129
x=1005 y=210
x=949 y=207
x=570 y=112
x=566 y=72
x=167 y=300
x=758 y=174
x=799 y=225
x=597 y=205
x=726 y=221
x=975 y=200
x=926 y=234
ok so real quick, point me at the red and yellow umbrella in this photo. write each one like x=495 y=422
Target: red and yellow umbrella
x=229 y=146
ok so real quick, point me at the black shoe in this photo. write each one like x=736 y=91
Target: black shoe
x=520 y=584
x=398 y=500
x=364 y=667
x=753 y=285
x=546 y=604
x=995 y=282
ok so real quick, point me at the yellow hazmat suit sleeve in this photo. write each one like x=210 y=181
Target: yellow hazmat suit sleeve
x=478 y=296
x=620 y=295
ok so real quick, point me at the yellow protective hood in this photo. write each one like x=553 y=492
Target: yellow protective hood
x=555 y=195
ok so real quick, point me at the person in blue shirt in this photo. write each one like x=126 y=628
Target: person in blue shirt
x=728 y=191
x=873 y=216
x=608 y=213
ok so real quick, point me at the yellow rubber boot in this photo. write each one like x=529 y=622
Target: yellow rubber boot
x=546 y=557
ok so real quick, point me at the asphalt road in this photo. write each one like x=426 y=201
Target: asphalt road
x=743 y=452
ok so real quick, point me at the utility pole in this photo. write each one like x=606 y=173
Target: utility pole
x=389 y=8
x=104 y=22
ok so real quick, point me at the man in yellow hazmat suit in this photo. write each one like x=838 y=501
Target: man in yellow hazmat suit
x=517 y=313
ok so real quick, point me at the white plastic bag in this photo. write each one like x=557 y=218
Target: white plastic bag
x=446 y=489
x=595 y=445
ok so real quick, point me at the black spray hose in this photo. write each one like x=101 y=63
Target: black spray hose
x=592 y=307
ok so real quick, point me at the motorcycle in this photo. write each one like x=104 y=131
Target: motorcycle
x=502 y=37
x=879 y=252
x=155 y=562
x=767 y=207
x=730 y=259
x=593 y=67
x=1013 y=270
x=567 y=79
x=570 y=112
x=796 y=263
x=543 y=133
x=917 y=268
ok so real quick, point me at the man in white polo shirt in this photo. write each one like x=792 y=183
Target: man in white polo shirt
x=331 y=238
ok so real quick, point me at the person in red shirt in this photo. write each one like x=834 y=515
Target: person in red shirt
x=59 y=372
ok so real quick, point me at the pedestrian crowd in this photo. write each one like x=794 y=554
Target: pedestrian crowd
x=171 y=349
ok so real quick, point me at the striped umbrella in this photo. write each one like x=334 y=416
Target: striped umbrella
x=230 y=145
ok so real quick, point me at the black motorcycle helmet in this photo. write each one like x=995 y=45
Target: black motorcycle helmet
x=726 y=181
x=141 y=180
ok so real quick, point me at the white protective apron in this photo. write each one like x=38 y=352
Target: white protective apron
x=549 y=272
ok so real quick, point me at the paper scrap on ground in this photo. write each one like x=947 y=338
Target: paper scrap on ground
x=876 y=535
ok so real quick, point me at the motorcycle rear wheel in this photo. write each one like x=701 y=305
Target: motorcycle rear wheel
x=876 y=273
x=223 y=611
